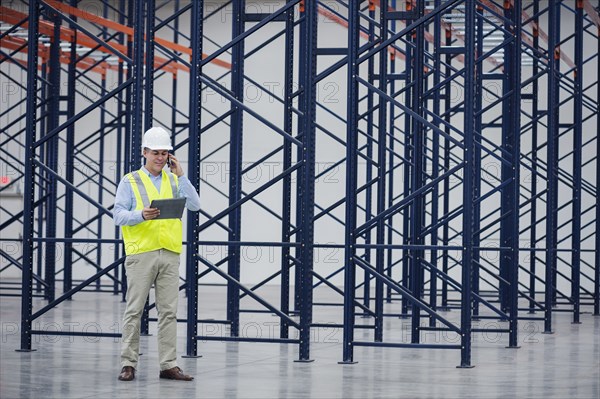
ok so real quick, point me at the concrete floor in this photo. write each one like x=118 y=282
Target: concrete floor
x=565 y=364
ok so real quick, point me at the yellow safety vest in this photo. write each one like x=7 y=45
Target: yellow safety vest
x=151 y=235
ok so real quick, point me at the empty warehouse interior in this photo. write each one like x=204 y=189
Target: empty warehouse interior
x=403 y=201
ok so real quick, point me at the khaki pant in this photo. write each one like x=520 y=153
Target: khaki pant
x=161 y=268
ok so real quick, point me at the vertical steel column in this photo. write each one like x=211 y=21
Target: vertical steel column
x=41 y=209
x=119 y=167
x=149 y=75
x=551 y=159
x=507 y=172
x=101 y=158
x=435 y=154
x=597 y=268
x=447 y=145
x=467 y=244
x=351 y=181
x=174 y=93
x=194 y=154
x=122 y=160
x=286 y=206
x=132 y=135
x=308 y=177
x=135 y=161
x=477 y=158
x=417 y=177
x=555 y=114
x=235 y=168
x=137 y=106
x=577 y=163
x=408 y=154
x=129 y=92
x=101 y=149
x=369 y=171
x=39 y=250
x=381 y=172
x=303 y=48
x=390 y=184
x=29 y=193
x=51 y=147
x=70 y=159
x=515 y=11
x=534 y=161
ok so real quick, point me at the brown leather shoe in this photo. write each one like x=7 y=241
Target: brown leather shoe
x=175 y=374
x=127 y=374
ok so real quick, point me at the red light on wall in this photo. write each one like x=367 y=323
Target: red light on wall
x=4 y=180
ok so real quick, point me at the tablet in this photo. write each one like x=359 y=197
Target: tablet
x=171 y=208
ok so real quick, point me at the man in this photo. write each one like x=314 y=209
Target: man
x=152 y=248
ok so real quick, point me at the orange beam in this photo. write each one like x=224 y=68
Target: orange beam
x=428 y=36
x=79 y=13
x=591 y=12
x=340 y=21
x=14 y=43
x=126 y=30
x=67 y=34
x=24 y=63
x=46 y=28
x=535 y=27
x=589 y=8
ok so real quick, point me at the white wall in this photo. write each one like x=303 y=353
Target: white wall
x=266 y=67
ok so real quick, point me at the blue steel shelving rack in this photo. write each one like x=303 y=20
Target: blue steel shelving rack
x=411 y=235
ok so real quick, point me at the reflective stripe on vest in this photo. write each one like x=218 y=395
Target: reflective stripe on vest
x=141 y=188
x=151 y=235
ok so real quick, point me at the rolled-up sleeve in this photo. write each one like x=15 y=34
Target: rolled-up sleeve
x=124 y=213
x=189 y=192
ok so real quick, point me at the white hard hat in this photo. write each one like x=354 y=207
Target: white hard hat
x=157 y=138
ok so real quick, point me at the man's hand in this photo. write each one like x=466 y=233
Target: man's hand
x=175 y=166
x=150 y=213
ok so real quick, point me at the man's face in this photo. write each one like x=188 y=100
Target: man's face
x=155 y=160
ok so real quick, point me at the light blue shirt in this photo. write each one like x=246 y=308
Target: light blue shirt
x=124 y=213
